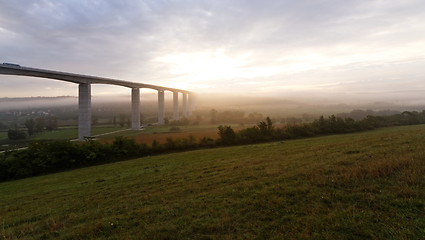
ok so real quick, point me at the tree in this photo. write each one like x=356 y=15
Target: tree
x=263 y=128
x=266 y=127
x=122 y=119
x=231 y=117
x=184 y=121
x=255 y=117
x=227 y=135
x=39 y=125
x=51 y=123
x=269 y=124
x=250 y=135
x=198 y=120
x=30 y=125
x=15 y=134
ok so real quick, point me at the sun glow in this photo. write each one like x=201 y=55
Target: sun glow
x=204 y=65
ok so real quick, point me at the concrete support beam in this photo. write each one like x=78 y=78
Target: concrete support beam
x=84 y=111
x=184 y=105
x=161 y=108
x=176 y=106
x=191 y=103
x=135 y=108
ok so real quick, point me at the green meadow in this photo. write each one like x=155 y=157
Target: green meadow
x=368 y=185
x=66 y=133
x=62 y=133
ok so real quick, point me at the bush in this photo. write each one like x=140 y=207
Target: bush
x=206 y=142
x=15 y=134
x=47 y=157
x=250 y=135
x=124 y=148
x=227 y=135
x=175 y=129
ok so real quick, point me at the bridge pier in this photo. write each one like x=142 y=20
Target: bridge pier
x=184 y=113
x=135 y=108
x=161 y=107
x=84 y=111
x=176 y=106
x=191 y=103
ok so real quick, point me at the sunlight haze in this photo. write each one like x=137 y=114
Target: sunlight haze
x=370 y=50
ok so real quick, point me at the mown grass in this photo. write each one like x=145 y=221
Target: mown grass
x=3 y=134
x=62 y=133
x=356 y=186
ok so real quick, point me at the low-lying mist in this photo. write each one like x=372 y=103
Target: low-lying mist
x=270 y=106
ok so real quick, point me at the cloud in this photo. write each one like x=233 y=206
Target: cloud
x=274 y=45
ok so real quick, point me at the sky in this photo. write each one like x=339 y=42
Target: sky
x=351 y=49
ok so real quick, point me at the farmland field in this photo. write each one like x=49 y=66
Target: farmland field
x=366 y=185
x=161 y=133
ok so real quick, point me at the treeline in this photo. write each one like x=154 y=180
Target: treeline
x=48 y=157
x=233 y=117
x=34 y=126
x=265 y=131
x=359 y=114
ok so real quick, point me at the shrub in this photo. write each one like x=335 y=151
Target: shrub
x=227 y=135
x=15 y=134
x=206 y=142
x=175 y=129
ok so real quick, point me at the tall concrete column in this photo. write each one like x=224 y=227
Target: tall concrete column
x=161 y=107
x=176 y=105
x=135 y=108
x=191 y=103
x=184 y=104
x=84 y=111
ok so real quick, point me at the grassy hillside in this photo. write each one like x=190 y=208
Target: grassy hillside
x=356 y=186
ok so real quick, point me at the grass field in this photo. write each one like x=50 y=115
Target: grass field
x=357 y=186
x=161 y=133
x=146 y=135
x=62 y=133
x=3 y=135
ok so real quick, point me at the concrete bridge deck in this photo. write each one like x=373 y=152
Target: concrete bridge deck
x=84 y=94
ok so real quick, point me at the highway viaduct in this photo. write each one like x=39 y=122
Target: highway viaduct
x=84 y=94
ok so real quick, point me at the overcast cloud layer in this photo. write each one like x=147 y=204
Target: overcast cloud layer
x=353 y=48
